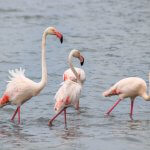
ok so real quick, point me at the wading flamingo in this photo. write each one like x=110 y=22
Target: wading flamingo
x=68 y=74
x=128 y=88
x=69 y=93
x=20 y=89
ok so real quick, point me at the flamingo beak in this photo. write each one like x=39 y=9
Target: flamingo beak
x=59 y=35
x=81 y=60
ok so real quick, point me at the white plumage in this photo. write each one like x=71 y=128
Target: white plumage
x=70 y=90
x=68 y=74
x=128 y=87
x=19 y=88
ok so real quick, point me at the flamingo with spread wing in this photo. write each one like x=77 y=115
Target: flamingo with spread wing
x=20 y=88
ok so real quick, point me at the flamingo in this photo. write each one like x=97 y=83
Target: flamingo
x=68 y=74
x=130 y=87
x=20 y=88
x=69 y=92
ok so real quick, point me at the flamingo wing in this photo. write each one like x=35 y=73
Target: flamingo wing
x=68 y=74
x=19 y=88
x=127 y=87
x=68 y=94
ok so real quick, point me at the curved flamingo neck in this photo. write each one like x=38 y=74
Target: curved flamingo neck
x=149 y=82
x=72 y=67
x=146 y=96
x=43 y=81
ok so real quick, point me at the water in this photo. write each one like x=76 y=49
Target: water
x=114 y=37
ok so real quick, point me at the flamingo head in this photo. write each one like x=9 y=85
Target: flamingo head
x=54 y=31
x=77 y=54
x=59 y=105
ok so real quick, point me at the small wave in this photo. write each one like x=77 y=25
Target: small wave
x=112 y=55
x=29 y=17
x=9 y=10
x=9 y=62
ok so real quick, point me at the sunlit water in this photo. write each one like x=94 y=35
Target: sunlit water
x=114 y=37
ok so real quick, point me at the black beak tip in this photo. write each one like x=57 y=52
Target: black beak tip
x=61 y=39
x=82 y=63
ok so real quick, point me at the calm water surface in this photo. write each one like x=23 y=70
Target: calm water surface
x=114 y=37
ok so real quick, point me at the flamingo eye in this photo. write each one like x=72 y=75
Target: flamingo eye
x=53 y=30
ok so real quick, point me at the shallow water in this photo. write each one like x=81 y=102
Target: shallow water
x=114 y=37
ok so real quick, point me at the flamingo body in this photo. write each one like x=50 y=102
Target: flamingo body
x=20 y=89
x=68 y=74
x=128 y=87
x=67 y=95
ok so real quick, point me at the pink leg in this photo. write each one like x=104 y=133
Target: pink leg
x=77 y=106
x=15 y=113
x=131 y=109
x=65 y=119
x=19 y=115
x=109 y=111
x=50 y=121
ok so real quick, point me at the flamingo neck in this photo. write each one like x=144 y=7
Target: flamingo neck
x=43 y=81
x=72 y=67
x=146 y=96
x=149 y=82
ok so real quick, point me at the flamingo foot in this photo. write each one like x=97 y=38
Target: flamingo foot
x=131 y=117
x=51 y=120
x=110 y=110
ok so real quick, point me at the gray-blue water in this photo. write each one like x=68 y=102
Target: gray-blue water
x=113 y=36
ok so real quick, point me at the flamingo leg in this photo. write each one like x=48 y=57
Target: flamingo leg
x=19 y=115
x=131 y=109
x=110 y=110
x=77 y=106
x=15 y=113
x=65 y=119
x=50 y=121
